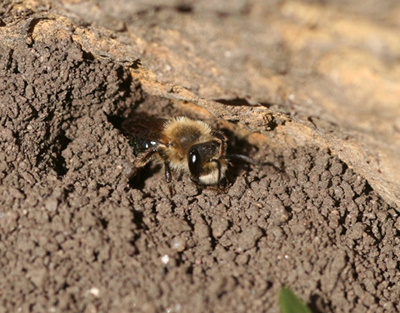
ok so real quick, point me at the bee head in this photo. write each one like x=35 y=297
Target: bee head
x=205 y=164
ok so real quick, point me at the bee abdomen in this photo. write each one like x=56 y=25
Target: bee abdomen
x=141 y=145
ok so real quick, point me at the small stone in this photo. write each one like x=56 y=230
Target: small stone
x=178 y=244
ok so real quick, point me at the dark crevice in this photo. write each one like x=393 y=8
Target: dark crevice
x=271 y=123
x=115 y=120
x=138 y=220
x=88 y=56
x=103 y=222
x=318 y=305
x=136 y=64
x=184 y=8
x=235 y=102
x=33 y=22
x=59 y=163
x=367 y=189
x=126 y=81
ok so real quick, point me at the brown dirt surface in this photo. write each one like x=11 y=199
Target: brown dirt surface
x=76 y=236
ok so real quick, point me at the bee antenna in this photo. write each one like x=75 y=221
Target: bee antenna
x=241 y=157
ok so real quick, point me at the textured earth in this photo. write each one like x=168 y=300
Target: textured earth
x=77 y=236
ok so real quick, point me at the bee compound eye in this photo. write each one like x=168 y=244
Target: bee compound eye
x=194 y=162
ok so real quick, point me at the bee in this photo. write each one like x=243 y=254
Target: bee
x=181 y=144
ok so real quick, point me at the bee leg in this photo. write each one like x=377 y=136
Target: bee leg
x=145 y=158
x=168 y=178
x=222 y=142
x=220 y=188
x=198 y=184
x=196 y=181
x=217 y=189
x=243 y=158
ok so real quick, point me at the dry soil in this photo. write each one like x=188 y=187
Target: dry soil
x=77 y=236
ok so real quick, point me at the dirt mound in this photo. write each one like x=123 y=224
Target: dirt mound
x=76 y=236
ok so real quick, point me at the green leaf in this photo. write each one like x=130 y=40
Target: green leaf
x=290 y=303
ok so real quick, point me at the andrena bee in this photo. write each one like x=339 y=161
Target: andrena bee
x=181 y=144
